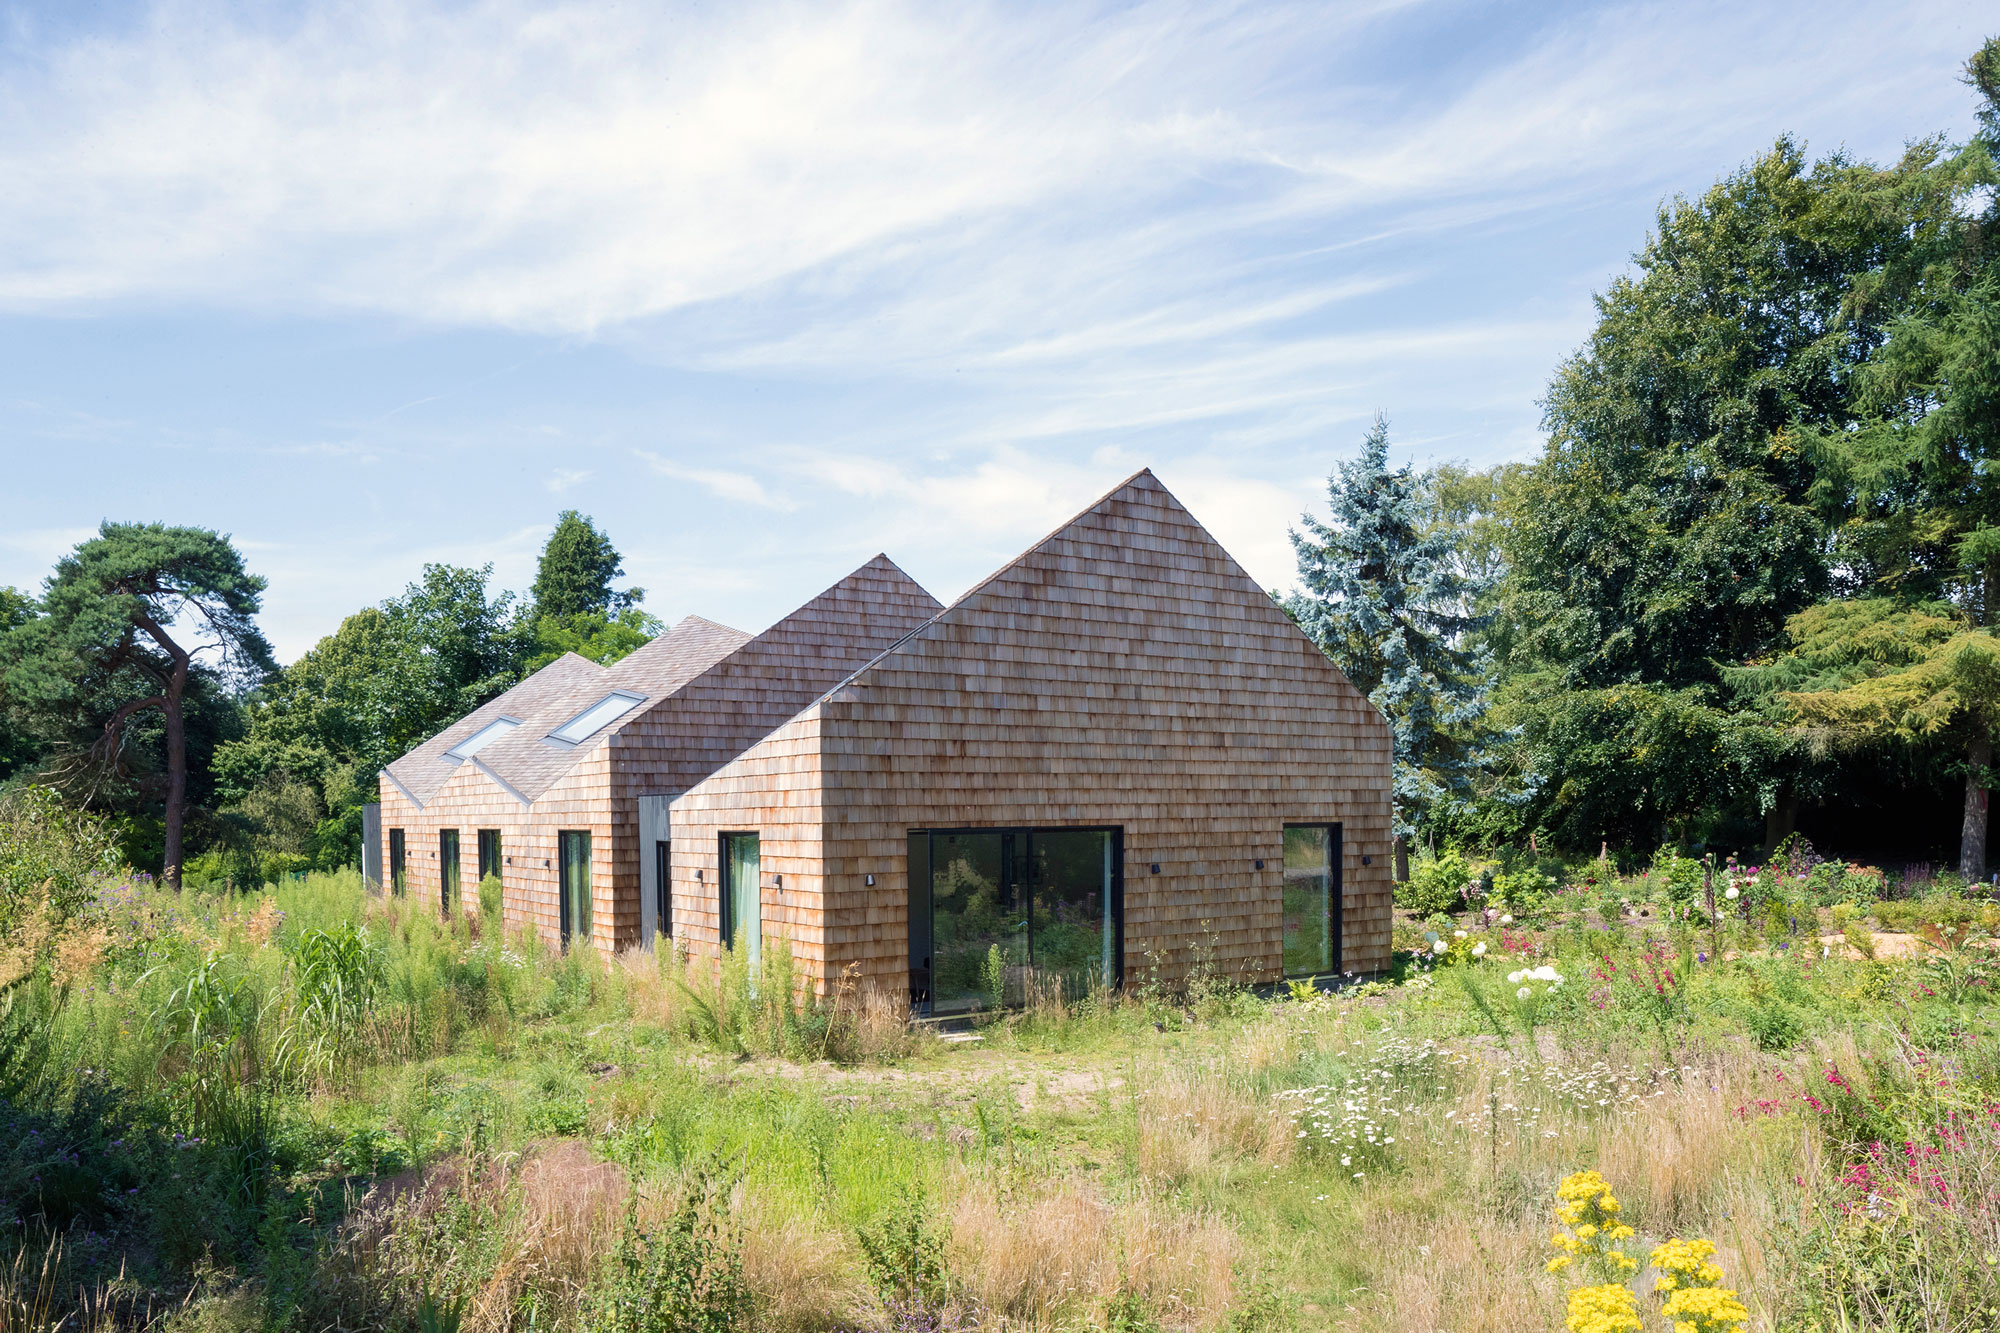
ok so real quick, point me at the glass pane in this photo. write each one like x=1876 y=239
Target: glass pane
x=663 y=889
x=482 y=738
x=1308 y=902
x=1074 y=935
x=598 y=714
x=576 y=884
x=396 y=860
x=976 y=907
x=746 y=928
x=447 y=868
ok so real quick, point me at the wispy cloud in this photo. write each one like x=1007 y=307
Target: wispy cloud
x=740 y=487
x=565 y=479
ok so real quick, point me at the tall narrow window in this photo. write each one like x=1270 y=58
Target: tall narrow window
x=396 y=881
x=663 y=888
x=1312 y=899
x=447 y=870
x=573 y=848
x=742 y=896
x=489 y=852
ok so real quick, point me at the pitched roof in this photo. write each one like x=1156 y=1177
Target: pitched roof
x=422 y=771
x=1141 y=488
x=527 y=763
x=818 y=635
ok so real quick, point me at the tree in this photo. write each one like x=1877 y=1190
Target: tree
x=1385 y=596
x=1874 y=671
x=131 y=620
x=1677 y=517
x=388 y=678
x=577 y=566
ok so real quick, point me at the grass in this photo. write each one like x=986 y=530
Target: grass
x=312 y=1109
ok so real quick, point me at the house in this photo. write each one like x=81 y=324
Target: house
x=1114 y=758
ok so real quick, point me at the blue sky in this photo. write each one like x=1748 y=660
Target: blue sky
x=767 y=288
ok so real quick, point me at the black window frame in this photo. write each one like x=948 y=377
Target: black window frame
x=566 y=913
x=1336 y=856
x=490 y=853
x=1014 y=856
x=449 y=887
x=399 y=853
x=726 y=888
x=663 y=888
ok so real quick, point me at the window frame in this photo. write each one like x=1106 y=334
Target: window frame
x=1335 y=845
x=572 y=924
x=399 y=855
x=556 y=737
x=491 y=732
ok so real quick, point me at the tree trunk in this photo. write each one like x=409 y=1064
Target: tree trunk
x=1972 y=839
x=177 y=776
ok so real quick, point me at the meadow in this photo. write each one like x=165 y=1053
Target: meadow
x=308 y=1107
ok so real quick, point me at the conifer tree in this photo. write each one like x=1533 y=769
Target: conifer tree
x=1384 y=596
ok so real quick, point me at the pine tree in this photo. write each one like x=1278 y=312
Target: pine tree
x=1384 y=596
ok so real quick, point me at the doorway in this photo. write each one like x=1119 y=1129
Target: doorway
x=742 y=897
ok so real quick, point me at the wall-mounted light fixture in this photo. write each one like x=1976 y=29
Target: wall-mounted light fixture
x=697 y=877
x=1156 y=867
x=1368 y=860
x=778 y=883
x=545 y=865
x=509 y=860
x=870 y=879
x=1260 y=865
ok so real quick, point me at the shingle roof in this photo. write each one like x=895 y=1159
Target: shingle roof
x=424 y=769
x=527 y=763
x=522 y=760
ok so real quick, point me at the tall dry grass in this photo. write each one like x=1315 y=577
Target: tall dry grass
x=1058 y=1254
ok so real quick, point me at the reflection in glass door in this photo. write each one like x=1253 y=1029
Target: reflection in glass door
x=447 y=870
x=1312 y=899
x=993 y=909
x=742 y=905
x=573 y=885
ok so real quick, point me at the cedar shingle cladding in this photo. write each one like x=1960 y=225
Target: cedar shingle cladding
x=710 y=693
x=1125 y=671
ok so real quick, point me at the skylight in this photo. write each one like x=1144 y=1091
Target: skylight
x=608 y=709
x=482 y=738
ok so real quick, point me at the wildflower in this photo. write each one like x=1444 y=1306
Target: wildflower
x=1439 y=947
x=1705 y=1310
x=1479 y=949
x=1523 y=993
x=1611 y=1308
x=1684 y=1263
x=1514 y=977
x=1731 y=893
x=1507 y=919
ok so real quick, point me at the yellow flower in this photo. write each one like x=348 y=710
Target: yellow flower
x=1685 y=1263
x=1561 y=1261
x=1706 y=1310
x=1610 y=1308
x=1586 y=1231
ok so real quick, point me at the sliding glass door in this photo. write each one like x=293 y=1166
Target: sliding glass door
x=991 y=909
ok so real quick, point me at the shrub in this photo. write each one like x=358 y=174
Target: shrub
x=1678 y=877
x=492 y=905
x=904 y=1249
x=1776 y=1026
x=1436 y=885
x=1524 y=892
x=51 y=856
x=686 y=1277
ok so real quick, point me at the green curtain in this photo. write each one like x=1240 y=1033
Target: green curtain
x=746 y=927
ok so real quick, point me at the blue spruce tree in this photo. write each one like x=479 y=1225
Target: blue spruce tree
x=1384 y=597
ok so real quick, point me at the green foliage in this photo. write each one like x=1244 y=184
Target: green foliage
x=1435 y=885
x=1387 y=598
x=904 y=1249
x=601 y=636
x=1523 y=893
x=53 y=858
x=1678 y=879
x=577 y=566
x=685 y=1277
